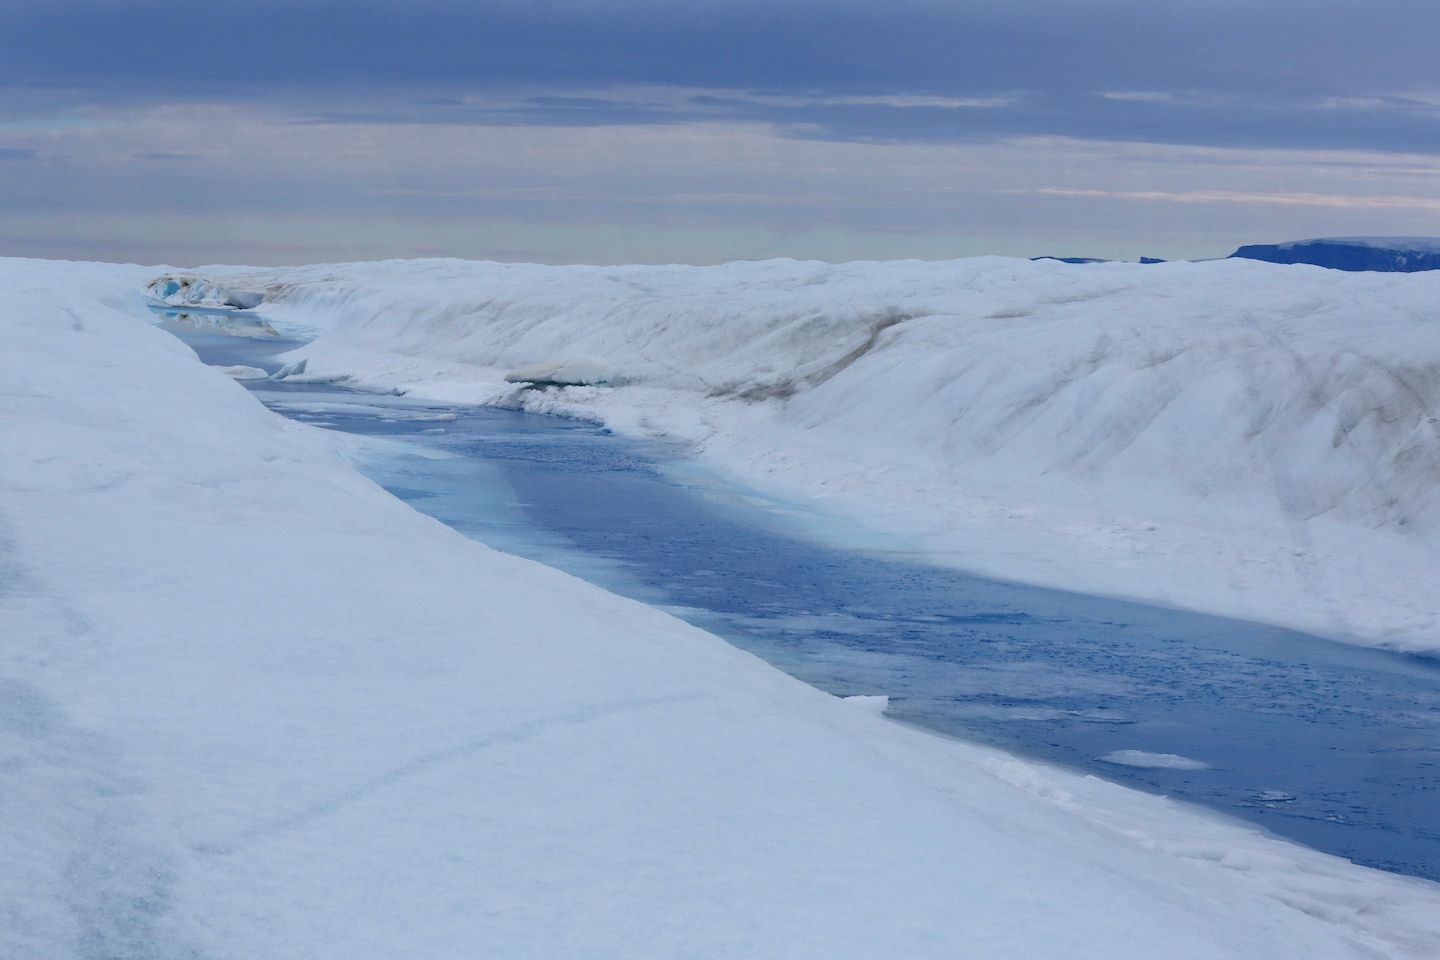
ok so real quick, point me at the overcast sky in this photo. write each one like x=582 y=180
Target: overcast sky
x=630 y=130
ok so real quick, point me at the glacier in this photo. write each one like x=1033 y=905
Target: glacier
x=255 y=706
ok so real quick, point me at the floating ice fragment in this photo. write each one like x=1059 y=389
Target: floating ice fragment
x=1153 y=761
x=1273 y=796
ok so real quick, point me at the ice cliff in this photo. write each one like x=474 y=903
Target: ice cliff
x=181 y=290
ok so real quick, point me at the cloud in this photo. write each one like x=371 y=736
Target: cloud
x=1311 y=73
x=549 y=110
x=161 y=155
x=798 y=127
x=1331 y=200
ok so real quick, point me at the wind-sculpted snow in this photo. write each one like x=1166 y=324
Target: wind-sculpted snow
x=1226 y=436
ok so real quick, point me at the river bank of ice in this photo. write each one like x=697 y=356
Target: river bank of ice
x=1231 y=437
x=1224 y=713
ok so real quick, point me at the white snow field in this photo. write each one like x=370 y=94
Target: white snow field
x=1233 y=437
x=252 y=706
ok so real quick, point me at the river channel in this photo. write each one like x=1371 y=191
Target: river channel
x=1331 y=745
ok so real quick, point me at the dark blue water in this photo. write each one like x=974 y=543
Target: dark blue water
x=1335 y=746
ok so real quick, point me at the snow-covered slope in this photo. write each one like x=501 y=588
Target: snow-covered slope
x=252 y=706
x=1227 y=436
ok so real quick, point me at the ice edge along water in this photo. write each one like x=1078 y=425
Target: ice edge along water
x=1276 y=712
x=1231 y=437
x=225 y=737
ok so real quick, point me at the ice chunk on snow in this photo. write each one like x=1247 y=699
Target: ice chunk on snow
x=574 y=371
x=242 y=372
x=294 y=368
x=869 y=704
x=1153 y=761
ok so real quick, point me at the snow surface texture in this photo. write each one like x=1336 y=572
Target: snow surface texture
x=253 y=706
x=1229 y=436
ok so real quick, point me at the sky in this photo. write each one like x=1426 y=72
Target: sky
x=641 y=131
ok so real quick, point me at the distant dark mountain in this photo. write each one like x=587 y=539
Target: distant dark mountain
x=1093 y=259
x=1389 y=254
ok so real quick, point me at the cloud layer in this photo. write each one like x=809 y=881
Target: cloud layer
x=1314 y=73
x=836 y=119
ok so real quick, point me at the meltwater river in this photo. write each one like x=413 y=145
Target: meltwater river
x=1334 y=746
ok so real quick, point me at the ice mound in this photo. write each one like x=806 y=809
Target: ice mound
x=183 y=290
x=571 y=372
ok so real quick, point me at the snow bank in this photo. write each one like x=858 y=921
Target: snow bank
x=1228 y=436
x=371 y=737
